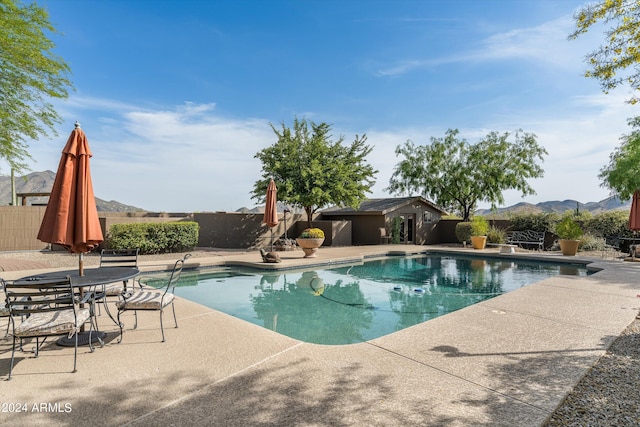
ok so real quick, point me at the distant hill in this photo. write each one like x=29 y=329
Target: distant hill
x=280 y=206
x=42 y=182
x=608 y=204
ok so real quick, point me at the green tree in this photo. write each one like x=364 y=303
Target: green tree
x=616 y=62
x=457 y=175
x=311 y=171
x=30 y=74
x=622 y=174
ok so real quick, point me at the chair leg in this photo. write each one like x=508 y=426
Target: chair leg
x=121 y=325
x=106 y=308
x=174 y=314
x=75 y=352
x=13 y=352
x=91 y=348
x=93 y=327
x=161 y=326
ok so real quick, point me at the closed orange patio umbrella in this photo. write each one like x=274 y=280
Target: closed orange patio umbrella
x=71 y=217
x=634 y=214
x=270 y=208
x=634 y=220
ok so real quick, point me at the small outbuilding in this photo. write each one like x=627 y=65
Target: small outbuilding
x=377 y=221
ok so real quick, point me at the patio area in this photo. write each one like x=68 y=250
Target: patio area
x=506 y=361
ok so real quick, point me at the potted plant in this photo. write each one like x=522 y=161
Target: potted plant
x=569 y=233
x=310 y=240
x=479 y=230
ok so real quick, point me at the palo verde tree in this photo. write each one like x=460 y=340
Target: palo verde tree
x=30 y=75
x=616 y=62
x=622 y=174
x=311 y=171
x=457 y=175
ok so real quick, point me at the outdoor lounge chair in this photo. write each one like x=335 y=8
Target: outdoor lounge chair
x=151 y=300
x=385 y=239
x=46 y=308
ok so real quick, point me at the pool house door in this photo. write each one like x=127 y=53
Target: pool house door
x=407 y=229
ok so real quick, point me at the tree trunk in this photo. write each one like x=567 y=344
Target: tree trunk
x=466 y=214
x=308 y=211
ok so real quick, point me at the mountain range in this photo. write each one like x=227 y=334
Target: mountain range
x=606 y=205
x=42 y=182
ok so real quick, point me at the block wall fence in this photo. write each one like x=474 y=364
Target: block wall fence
x=19 y=226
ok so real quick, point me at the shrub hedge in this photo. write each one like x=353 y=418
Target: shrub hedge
x=154 y=238
x=596 y=227
x=537 y=221
x=615 y=223
x=464 y=231
x=496 y=235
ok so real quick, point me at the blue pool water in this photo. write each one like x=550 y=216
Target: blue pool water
x=350 y=304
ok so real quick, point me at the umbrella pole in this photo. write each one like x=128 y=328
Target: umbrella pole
x=271 y=228
x=81 y=264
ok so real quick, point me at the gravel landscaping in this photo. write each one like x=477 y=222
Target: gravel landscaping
x=609 y=394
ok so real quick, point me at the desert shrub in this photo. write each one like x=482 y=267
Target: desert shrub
x=496 y=235
x=479 y=226
x=463 y=231
x=568 y=228
x=537 y=222
x=396 y=224
x=154 y=238
x=589 y=242
x=614 y=223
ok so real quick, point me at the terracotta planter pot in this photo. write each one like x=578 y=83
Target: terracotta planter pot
x=569 y=247
x=310 y=245
x=478 y=264
x=478 y=242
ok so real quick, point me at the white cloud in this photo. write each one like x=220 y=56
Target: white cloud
x=579 y=144
x=186 y=159
x=192 y=159
x=546 y=43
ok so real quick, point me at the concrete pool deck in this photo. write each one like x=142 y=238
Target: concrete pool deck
x=506 y=361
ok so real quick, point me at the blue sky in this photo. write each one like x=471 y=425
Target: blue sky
x=176 y=97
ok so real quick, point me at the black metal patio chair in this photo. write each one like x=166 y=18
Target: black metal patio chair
x=44 y=309
x=151 y=300
x=118 y=258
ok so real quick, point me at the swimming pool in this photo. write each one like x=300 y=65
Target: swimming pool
x=355 y=303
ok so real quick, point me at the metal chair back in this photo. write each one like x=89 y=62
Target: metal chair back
x=40 y=297
x=119 y=257
x=175 y=275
